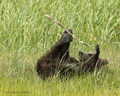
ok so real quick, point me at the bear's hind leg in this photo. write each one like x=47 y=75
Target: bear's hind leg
x=91 y=62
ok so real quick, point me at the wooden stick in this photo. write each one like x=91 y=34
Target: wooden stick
x=68 y=31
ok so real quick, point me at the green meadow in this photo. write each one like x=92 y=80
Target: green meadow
x=26 y=34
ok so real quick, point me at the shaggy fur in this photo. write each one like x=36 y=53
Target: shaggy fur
x=58 y=57
x=84 y=56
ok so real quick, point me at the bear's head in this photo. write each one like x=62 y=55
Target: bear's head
x=84 y=56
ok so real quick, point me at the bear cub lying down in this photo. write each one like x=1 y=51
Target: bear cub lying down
x=58 y=57
x=84 y=56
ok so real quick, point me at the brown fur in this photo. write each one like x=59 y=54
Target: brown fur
x=58 y=57
x=89 y=64
x=83 y=56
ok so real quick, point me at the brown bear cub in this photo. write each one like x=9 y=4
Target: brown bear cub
x=58 y=57
x=84 y=56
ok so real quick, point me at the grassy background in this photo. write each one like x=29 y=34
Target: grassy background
x=26 y=34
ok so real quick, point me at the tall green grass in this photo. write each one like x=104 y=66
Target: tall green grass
x=26 y=34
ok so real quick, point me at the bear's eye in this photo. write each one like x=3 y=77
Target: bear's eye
x=90 y=55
